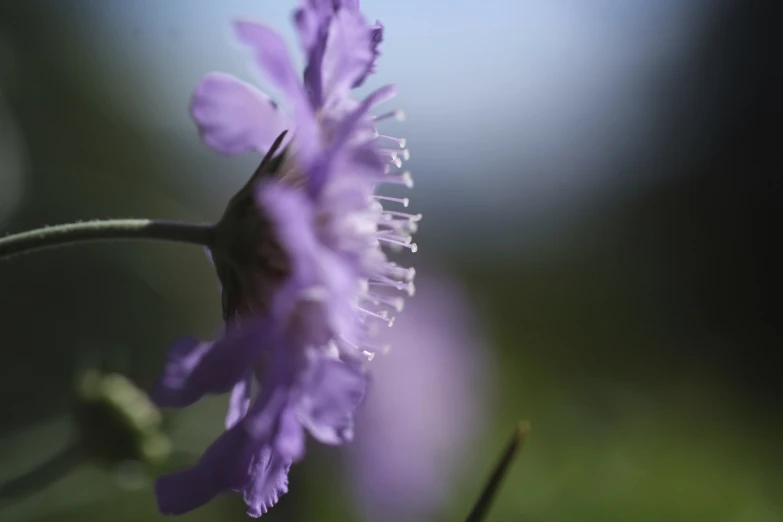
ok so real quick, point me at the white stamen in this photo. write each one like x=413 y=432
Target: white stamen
x=382 y=315
x=391 y=234
x=392 y=153
x=398 y=303
x=396 y=114
x=397 y=242
x=409 y=217
x=404 y=201
x=399 y=141
x=404 y=178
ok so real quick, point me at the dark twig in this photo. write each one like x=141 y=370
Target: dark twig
x=482 y=505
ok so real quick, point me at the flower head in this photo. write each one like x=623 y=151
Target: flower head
x=300 y=255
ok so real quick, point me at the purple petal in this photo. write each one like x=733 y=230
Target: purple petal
x=290 y=439
x=262 y=419
x=271 y=54
x=319 y=292
x=313 y=73
x=351 y=128
x=239 y=402
x=348 y=54
x=331 y=394
x=268 y=481
x=196 y=369
x=233 y=116
x=306 y=26
x=376 y=37
x=310 y=22
x=184 y=356
x=226 y=465
x=233 y=462
x=353 y=121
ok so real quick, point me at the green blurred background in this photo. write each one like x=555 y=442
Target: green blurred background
x=632 y=315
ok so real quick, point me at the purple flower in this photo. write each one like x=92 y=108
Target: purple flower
x=303 y=386
x=319 y=313
x=292 y=350
x=340 y=163
x=428 y=402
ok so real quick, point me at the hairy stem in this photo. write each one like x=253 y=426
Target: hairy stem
x=105 y=230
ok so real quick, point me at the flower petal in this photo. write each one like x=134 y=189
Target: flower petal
x=279 y=373
x=196 y=369
x=331 y=394
x=183 y=357
x=239 y=402
x=290 y=439
x=354 y=120
x=376 y=37
x=268 y=481
x=271 y=54
x=348 y=54
x=233 y=116
x=319 y=293
x=226 y=465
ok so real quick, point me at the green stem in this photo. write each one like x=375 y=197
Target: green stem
x=105 y=230
x=30 y=482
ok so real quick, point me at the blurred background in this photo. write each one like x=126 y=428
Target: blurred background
x=600 y=185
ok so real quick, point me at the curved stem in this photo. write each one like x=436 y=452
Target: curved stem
x=105 y=230
x=30 y=482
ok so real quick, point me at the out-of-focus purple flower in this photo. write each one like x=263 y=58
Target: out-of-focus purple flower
x=429 y=399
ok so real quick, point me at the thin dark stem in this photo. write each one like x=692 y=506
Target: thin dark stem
x=105 y=230
x=59 y=465
x=482 y=505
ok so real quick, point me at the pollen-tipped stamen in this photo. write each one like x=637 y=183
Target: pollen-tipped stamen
x=399 y=141
x=403 y=201
x=397 y=114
